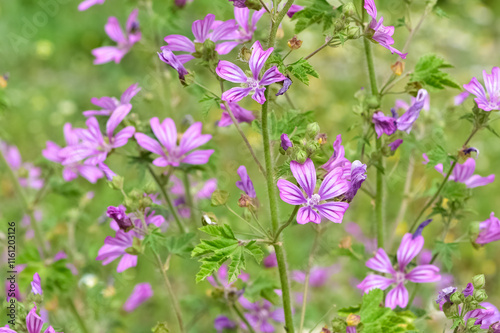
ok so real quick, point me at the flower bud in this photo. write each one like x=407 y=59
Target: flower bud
x=145 y=202
x=349 y=9
x=294 y=43
x=219 y=198
x=456 y=298
x=120 y=217
x=373 y=102
x=285 y=142
x=312 y=147
x=135 y=194
x=353 y=33
x=116 y=183
x=495 y=328
x=450 y=309
x=312 y=130
x=300 y=156
x=480 y=295
x=478 y=281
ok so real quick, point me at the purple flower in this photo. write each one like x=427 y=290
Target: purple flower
x=141 y=293
x=405 y=122
x=384 y=124
x=84 y=5
x=356 y=179
x=173 y=61
x=314 y=205
x=464 y=173
x=490 y=99
x=120 y=217
x=395 y=144
x=34 y=324
x=489 y=230
x=425 y=159
x=206 y=29
x=171 y=153
x=270 y=261
x=62 y=255
x=200 y=190
x=27 y=174
x=285 y=142
x=239 y=3
x=260 y=314
x=246 y=29
x=72 y=170
x=109 y=104
x=286 y=85
x=255 y=84
x=318 y=276
x=240 y=114
x=338 y=158
x=245 y=184
x=115 y=247
x=125 y=40
x=222 y=275
x=294 y=9
x=222 y=323
x=409 y=248
x=94 y=147
x=445 y=294
x=381 y=33
x=36 y=285
x=469 y=290
x=460 y=98
x=484 y=317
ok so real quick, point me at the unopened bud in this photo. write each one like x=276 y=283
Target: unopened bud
x=312 y=147
x=116 y=183
x=294 y=43
x=478 y=281
x=373 y=102
x=480 y=295
x=353 y=33
x=349 y=9
x=312 y=130
x=456 y=298
x=300 y=156
x=135 y=194
x=145 y=202
x=398 y=68
x=219 y=198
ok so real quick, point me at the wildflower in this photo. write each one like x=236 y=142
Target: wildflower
x=490 y=99
x=293 y=10
x=410 y=247
x=245 y=184
x=285 y=142
x=120 y=217
x=381 y=33
x=395 y=144
x=171 y=153
x=260 y=314
x=469 y=290
x=489 y=230
x=255 y=84
x=109 y=104
x=240 y=114
x=356 y=178
x=71 y=170
x=200 y=190
x=270 y=261
x=352 y=321
x=246 y=30
x=463 y=173
x=314 y=205
x=286 y=85
x=318 y=276
x=125 y=40
x=36 y=286
x=460 y=98
x=405 y=122
x=445 y=294
x=173 y=61
x=484 y=317
x=401 y=104
x=206 y=29
x=384 y=124
x=338 y=158
x=221 y=323
x=84 y=5
x=27 y=174
x=94 y=147
x=141 y=293
x=34 y=324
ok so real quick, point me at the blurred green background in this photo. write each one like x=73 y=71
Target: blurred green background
x=45 y=48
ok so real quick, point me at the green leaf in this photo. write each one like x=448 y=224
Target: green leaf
x=376 y=318
x=301 y=69
x=455 y=191
x=236 y=265
x=428 y=73
x=218 y=231
x=437 y=155
x=180 y=245
x=207 y=102
x=344 y=312
x=446 y=252
x=208 y=266
x=255 y=251
x=263 y=286
x=319 y=11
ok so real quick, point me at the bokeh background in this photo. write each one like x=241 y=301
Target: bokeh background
x=45 y=49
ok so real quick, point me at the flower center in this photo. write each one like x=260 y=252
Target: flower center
x=252 y=83
x=313 y=200
x=399 y=277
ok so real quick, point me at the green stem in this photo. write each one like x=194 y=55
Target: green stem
x=168 y=200
x=284 y=225
x=29 y=208
x=175 y=303
x=243 y=318
x=285 y=287
x=371 y=67
x=76 y=314
x=189 y=198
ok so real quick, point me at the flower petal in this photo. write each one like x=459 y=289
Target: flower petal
x=305 y=174
x=333 y=185
x=272 y=75
x=179 y=43
x=258 y=59
x=230 y=72
x=477 y=180
x=372 y=281
x=333 y=211
x=201 y=28
x=166 y=132
x=116 y=118
x=235 y=94
x=149 y=143
x=424 y=273
x=409 y=249
x=193 y=138
x=381 y=263
x=306 y=215
x=290 y=193
x=198 y=157
x=114 y=30
x=397 y=296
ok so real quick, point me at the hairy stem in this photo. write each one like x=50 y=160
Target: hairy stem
x=168 y=200
x=173 y=298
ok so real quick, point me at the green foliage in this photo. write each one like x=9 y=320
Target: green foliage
x=446 y=252
x=301 y=69
x=213 y=253
x=263 y=286
x=207 y=102
x=181 y=245
x=428 y=72
x=291 y=121
x=438 y=155
x=318 y=11
x=344 y=312
x=376 y=318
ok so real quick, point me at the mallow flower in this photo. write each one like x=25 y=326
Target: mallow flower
x=109 y=104
x=36 y=285
x=489 y=230
x=245 y=183
x=222 y=323
x=84 y=5
x=125 y=40
x=71 y=170
x=94 y=147
x=484 y=317
x=34 y=324
x=240 y=114
x=171 y=152
x=384 y=124
x=260 y=315
x=254 y=84
x=314 y=205
x=405 y=122
x=488 y=100
x=199 y=191
x=464 y=173
x=206 y=29
x=399 y=275
x=27 y=174
x=173 y=61
x=141 y=293
x=381 y=33
x=246 y=28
